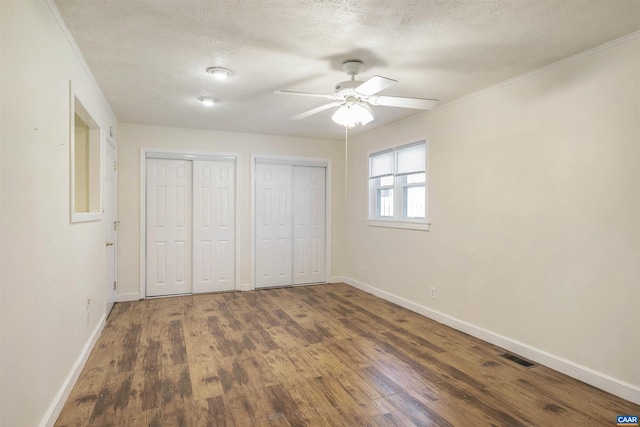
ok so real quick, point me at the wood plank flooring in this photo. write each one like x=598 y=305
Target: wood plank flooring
x=324 y=355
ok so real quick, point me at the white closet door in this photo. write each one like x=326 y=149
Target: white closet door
x=273 y=225
x=213 y=226
x=308 y=224
x=168 y=227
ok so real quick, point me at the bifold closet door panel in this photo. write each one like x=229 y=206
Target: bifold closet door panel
x=168 y=242
x=308 y=224
x=213 y=226
x=273 y=226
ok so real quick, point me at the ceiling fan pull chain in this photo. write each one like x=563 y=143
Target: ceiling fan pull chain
x=346 y=163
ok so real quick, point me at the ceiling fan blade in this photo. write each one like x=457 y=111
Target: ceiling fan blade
x=397 y=101
x=316 y=110
x=374 y=85
x=316 y=95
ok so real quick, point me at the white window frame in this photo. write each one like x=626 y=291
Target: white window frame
x=398 y=220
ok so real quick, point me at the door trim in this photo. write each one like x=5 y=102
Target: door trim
x=112 y=295
x=179 y=154
x=294 y=161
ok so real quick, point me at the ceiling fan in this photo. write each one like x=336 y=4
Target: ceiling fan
x=354 y=97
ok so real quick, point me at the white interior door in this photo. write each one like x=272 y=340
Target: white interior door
x=111 y=224
x=308 y=224
x=290 y=224
x=168 y=241
x=273 y=225
x=213 y=226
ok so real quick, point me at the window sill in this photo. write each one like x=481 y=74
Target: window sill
x=421 y=226
x=86 y=216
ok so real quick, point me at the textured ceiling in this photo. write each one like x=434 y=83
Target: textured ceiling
x=149 y=56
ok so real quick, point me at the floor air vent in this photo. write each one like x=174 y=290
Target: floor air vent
x=519 y=360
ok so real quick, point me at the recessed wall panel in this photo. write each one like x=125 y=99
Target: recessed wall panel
x=161 y=263
x=205 y=207
x=223 y=260
x=223 y=207
x=205 y=259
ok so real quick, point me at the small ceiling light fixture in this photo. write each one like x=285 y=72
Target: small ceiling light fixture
x=219 y=73
x=208 y=101
x=352 y=113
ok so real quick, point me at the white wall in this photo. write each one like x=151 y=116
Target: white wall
x=134 y=136
x=535 y=211
x=49 y=266
x=1 y=181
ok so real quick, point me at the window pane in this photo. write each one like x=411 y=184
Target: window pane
x=385 y=181
x=415 y=178
x=384 y=202
x=413 y=203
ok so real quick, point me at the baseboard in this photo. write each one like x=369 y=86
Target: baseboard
x=128 y=297
x=58 y=402
x=136 y=296
x=597 y=379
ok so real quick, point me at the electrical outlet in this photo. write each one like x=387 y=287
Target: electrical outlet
x=361 y=269
x=433 y=292
x=88 y=304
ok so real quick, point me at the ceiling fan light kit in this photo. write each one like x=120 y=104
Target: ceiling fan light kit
x=353 y=97
x=353 y=113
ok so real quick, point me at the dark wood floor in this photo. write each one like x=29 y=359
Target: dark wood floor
x=312 y=356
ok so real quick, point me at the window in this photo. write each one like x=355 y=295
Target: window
x=86 y=202
x=398 y=187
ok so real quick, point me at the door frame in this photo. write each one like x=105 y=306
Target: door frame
x=180 y=154
x=112 y=291
x=293 y=161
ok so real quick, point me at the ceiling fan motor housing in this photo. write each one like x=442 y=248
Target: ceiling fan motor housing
x=347 y=87
x=352 y=67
